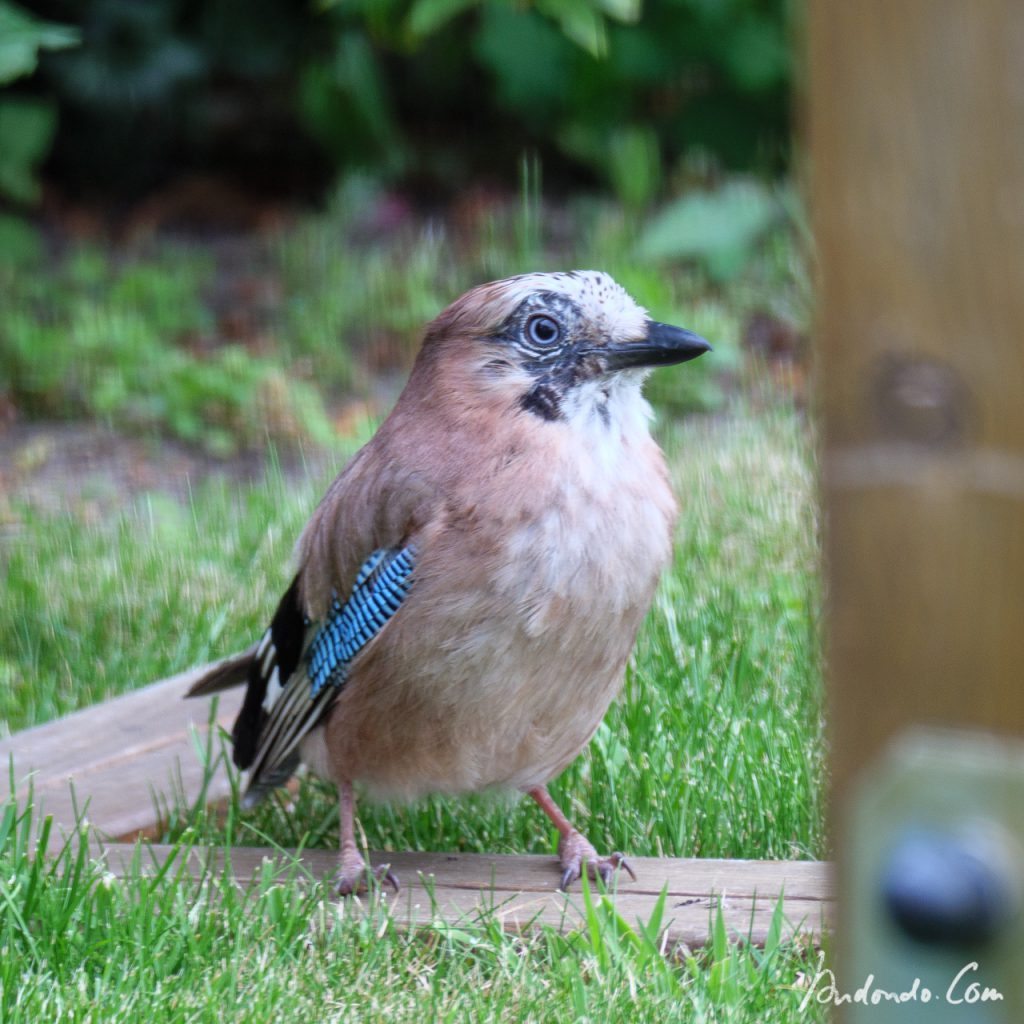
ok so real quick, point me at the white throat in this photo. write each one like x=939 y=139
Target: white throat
x=615 y=405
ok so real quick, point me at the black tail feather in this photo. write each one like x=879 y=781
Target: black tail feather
x=277 y=654
x=232 y=671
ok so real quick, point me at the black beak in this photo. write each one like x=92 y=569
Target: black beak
x=663 y=346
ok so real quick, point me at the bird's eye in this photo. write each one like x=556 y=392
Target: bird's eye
x=543 y=331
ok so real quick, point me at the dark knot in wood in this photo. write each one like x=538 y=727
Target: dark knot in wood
x=921 y=400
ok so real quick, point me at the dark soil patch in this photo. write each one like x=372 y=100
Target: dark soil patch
x=94 y=470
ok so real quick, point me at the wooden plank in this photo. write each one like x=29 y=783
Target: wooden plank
x=117 y=754
x=459 y=889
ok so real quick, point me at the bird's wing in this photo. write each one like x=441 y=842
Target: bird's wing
x=313 y=660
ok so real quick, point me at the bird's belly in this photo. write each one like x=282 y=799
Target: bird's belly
x=455 y=750
x=499 y=676
x=500 y=717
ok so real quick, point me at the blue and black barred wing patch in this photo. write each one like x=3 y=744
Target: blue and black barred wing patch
x=381 y=586
x=295 y=707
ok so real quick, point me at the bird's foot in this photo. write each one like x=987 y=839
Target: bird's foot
x=575 y=851
x=355 y=876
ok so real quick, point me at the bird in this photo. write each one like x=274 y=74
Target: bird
x=469 y=589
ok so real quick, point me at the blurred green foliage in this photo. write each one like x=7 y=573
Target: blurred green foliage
x=21 y=39
x=230 y=345
x=635 y=96
x=121 y=344
x=344 y=293
x=27 y=125
x=719 y=227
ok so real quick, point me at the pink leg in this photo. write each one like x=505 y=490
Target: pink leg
x=573 y=848
x=353 y=874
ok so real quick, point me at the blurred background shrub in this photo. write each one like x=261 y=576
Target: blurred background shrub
x=27 y=124
x=225 y=222
x=287 y=96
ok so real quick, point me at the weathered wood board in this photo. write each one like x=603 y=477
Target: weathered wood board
x=521 y=890
x=116 y=759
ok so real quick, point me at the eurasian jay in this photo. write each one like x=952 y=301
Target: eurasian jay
x=470 y=587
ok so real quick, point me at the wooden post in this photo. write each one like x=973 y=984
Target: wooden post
x=917 y=151
x=916 y=127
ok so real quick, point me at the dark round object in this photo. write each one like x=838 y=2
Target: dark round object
x=941 y=891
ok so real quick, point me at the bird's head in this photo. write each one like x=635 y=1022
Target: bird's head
x=559 y=345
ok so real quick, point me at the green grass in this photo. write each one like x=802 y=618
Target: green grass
x=77 y=944
x=715 y=749
x=136 y=344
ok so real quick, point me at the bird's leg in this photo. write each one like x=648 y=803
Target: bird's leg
x=574 y=850
x=353 y=874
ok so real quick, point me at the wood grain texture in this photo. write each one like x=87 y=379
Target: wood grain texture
x=115 y=758
x=916 y=125
x=915 y=114
x=520 y=891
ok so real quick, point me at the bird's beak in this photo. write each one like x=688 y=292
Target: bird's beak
x=662 y=346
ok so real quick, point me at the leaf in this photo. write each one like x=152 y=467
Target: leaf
x=26 y=127
x=427 y=16
x=626 y=11
x=580 y=22
x=758 y=56
x=595 y=931
x=774 y=937
x=634 y=164
x=19 y=241
x=21 y=39
x=719 y=935
x=717 y=227
x=540 y=85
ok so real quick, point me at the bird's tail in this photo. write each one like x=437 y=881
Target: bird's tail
x=232 y=671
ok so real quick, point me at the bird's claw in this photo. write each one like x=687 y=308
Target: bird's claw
x=614 y=862
x=574 y=851
x=355 y=876
x=385 y=876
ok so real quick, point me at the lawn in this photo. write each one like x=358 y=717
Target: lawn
x=714 y=749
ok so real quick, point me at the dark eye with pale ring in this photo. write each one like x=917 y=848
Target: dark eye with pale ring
x=543 y=331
